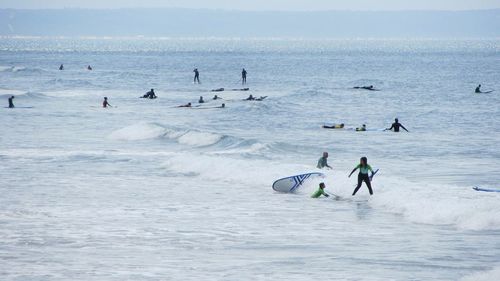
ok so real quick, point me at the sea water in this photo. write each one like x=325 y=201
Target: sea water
x=148 y=191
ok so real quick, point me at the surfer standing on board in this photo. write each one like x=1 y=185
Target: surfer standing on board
x=363 y=175
x=196 y=76
x=322 y=162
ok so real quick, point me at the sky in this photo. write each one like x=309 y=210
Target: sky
x=261 y=5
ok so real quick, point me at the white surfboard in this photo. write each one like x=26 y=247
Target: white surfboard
x=290 y=184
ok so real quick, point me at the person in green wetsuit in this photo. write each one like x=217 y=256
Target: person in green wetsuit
x=320 y=191
x=322 y=162
x=363 y=175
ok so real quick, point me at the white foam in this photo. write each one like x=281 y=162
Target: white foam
x=141 y=131
x=489 y=275
x=195 y=138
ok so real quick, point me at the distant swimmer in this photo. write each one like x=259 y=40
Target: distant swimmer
x=218 y=90
x=61 y=67
x=222 y=106
x=250 y=97
x=334 y=126
x=243 y=77
x=395 y=126
x=320 y=191
x=323 y=161
x=370 y=88
x=363 y=175
x=89 y=67
x=150 y=95
x=216 y=98
x=185 y=105
x=105 y=103
x=243 y=89
x=361 y=129
x=201 y=100
x=11 y=102
x=196 y=76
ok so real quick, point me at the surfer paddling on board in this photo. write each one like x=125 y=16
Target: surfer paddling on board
x=196 y=79
x=396 y=125
x=322 y=162
x=105 y=103
x=320 y=191
x=11 y=102
x=185 y=105
x=363 y=175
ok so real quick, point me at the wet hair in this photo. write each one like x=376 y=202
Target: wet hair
x=321 y=185
x=364 y=160
x=396 y=120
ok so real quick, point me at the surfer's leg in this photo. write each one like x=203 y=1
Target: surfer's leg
x=366 y=179
x=360 y=181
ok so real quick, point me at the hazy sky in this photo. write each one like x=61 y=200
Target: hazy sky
x=294 y=5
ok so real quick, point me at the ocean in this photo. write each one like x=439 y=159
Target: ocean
x=146 y=190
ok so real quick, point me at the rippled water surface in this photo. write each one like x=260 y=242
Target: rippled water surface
x=149 y=191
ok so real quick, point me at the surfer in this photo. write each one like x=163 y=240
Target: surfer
x=11 y=102
x=334 y=126
x=89 y=67
x=61 y=67
x=185 y=105
x=320 y=191
x=216 y=98
x=150 y=95
x=250 y=97
x=396 y=125
x=370 y=88
x=322 y=162
x=196 y=76
x=243 y=77
x=478 y=89
x=362 y=129
x=222 y=106
x=201 y=100
x=363 y=175
x=105 y=103
x=218 y=90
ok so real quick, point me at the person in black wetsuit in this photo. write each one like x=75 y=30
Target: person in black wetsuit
x=250 y=97
x=185 y=105
x=89 y=67
x=243 y=77
x=11 y=103
x=150 y=95
x=61 y=67
x=201 y=100
x=478 y=89
x=396 y=125
x=105 y=103
x=196 y=76
x=363 y=175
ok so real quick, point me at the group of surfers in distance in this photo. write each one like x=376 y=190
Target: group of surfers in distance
x=363 y=176
x=396 y=126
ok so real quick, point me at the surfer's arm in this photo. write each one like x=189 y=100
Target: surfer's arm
x=354 y=170
x=388 y=129
x=404 y=128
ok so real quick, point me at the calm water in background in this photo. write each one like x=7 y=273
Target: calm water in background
x=147 y=191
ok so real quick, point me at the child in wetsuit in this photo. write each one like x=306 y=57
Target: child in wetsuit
x=363 y=175
x=320 y=191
